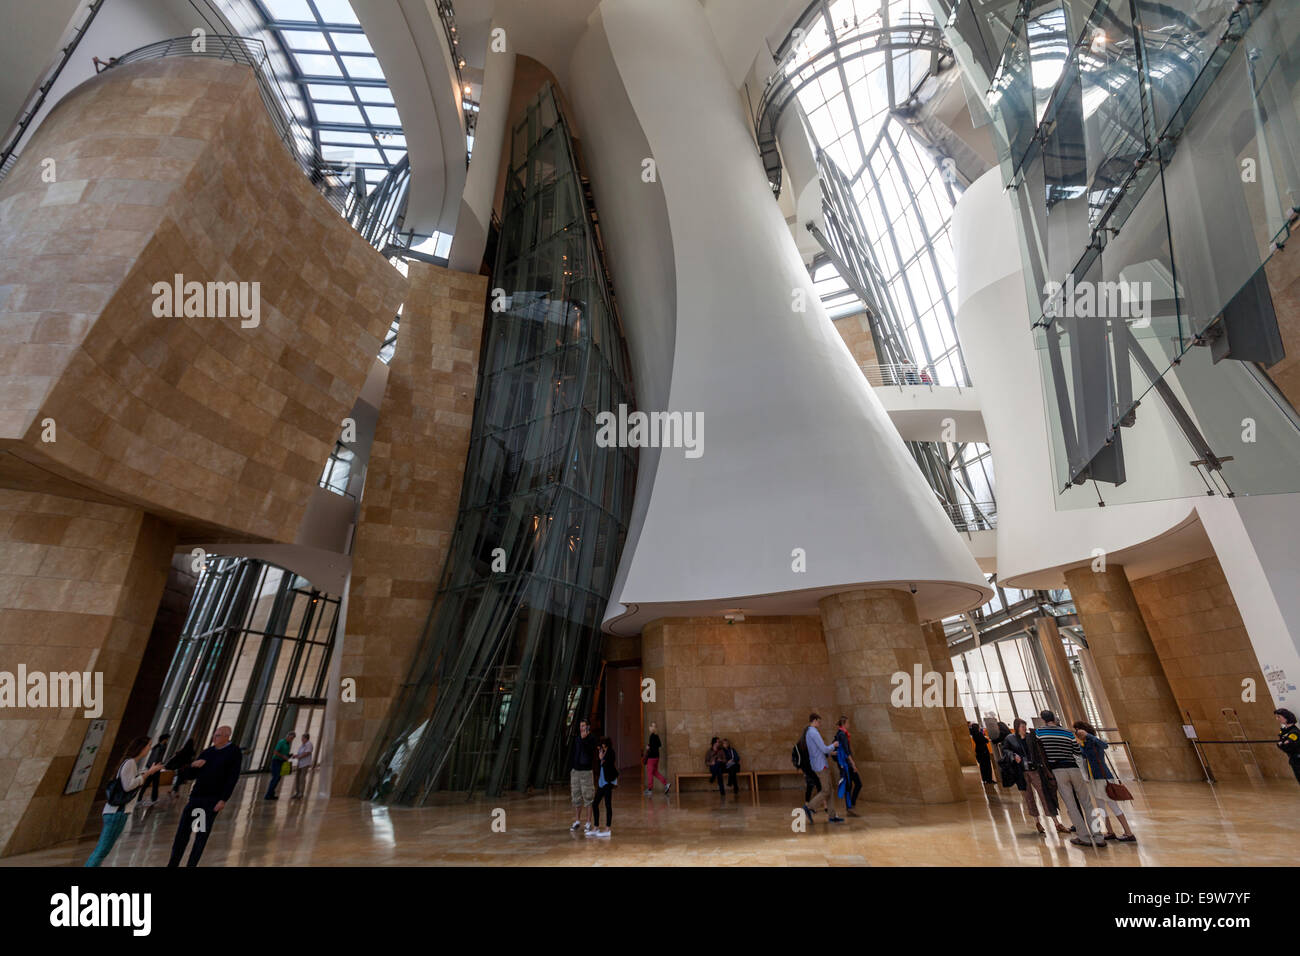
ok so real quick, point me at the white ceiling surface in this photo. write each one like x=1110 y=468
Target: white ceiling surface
x=407 y=37
x=799 y=453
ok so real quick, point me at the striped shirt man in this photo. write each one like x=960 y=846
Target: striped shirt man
x=1059 y=746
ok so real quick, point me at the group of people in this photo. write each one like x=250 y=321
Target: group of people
x=723 y=763
x=1052 y=766
x=816 y=758
x=593 y=775
x=283 y=764
x=214 y=772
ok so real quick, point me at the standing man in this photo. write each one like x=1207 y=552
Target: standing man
x=216 y=773
x=582 y=783
x=1061 y=748
x=156 y=757
x=301 y=764
x=852 y=782
x=817 y=754
x=278 y=757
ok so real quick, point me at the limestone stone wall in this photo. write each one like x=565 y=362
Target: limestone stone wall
x=855 y=330
x=1139 y=693
x=753 y=682
x=1206 y=655
x=411 y=502
x=904 y=754
x=163 y=168
x=79 y=587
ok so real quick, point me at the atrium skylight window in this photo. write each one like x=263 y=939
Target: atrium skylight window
x=331 y=60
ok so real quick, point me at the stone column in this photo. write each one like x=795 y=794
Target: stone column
x=1145 y=709
x=408 y=513
x=1069 y=703
x=80 y=584
x=937 y=644
x=905 y=754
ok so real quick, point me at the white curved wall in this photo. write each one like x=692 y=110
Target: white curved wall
x=798 y=452
x=1036 y=540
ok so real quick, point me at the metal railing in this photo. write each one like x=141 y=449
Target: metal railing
x=9 y=154
x=973 y=515
x=902 y=374
x=447 y=15
x=332 y=179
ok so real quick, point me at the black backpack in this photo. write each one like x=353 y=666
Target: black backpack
x=117 y=795
x=799 y=753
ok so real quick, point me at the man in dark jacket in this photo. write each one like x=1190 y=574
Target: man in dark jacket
x=214 y=782
x=156 y=756
x=1028 y=770
x=582 y=780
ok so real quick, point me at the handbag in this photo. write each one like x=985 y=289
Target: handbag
x=1115 y=788
x=286 y=768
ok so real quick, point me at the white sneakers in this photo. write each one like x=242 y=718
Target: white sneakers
x=577 y=823
x=598 y=833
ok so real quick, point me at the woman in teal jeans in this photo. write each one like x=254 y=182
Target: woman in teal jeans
x=1098 y=774
x=115 y=817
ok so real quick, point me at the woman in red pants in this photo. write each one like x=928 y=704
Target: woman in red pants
x=652 y=763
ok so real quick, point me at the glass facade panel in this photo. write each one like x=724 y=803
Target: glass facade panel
x=512 y=648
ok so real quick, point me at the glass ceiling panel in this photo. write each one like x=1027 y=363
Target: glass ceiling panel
x=332 y=64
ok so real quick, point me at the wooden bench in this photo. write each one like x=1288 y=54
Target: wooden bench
x=740 y=775
x=759 y=774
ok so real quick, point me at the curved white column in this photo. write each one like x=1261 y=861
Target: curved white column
x=474 y=220
x=797 y=453
x=1035 y=538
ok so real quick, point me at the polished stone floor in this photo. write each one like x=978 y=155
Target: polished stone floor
x=1177 y=824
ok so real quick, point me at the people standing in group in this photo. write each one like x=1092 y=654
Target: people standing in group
x=156 y=755
x=301 y=764
x=1062 y=751
x=730 y=765
x=653 y=748
x=1288 y=739
x=582 y=780
x=122 y=791
x=1099 y=775
x=818 y=751
x=217 y=773
x=279 y=757
x=849 y=767
x=179 y=765
x=983 y=756
x=606 y=781
x=1030 y=775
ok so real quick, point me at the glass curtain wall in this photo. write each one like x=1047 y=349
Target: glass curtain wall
x=254 y=655
x=512 y=649
x=1151 y=153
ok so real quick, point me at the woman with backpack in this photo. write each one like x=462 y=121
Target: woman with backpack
x=122 y=790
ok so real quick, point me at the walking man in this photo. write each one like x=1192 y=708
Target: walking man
x=817 y=754
x=215 y=774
